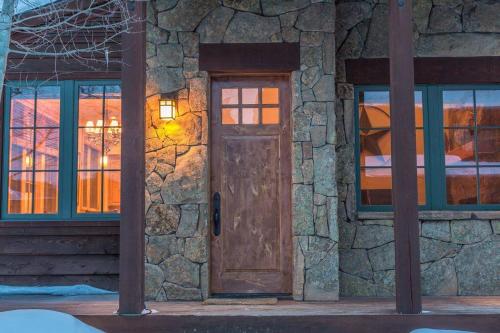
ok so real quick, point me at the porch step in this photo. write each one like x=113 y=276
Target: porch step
x=241 y=301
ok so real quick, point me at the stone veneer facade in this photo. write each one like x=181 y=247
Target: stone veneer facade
x=460 y=251
x=177 y=237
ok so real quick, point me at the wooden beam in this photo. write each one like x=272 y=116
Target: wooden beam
x=248 y=58
x=133 y=165
x=439 y=70
x=404 y=164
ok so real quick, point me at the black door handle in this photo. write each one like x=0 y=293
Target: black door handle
x=216 y=213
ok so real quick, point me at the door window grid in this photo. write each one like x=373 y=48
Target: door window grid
x=250 y=106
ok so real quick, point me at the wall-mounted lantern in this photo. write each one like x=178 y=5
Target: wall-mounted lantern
x=168 y=107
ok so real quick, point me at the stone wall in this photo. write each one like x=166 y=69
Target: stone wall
x=459 y=252
x=177 y=151
x=458 y=257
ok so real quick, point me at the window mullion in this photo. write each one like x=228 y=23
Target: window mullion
x=66 y=166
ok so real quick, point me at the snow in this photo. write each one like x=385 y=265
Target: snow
x=24 y=5
x=42 y=321
x=79 y=289
x=430 y=330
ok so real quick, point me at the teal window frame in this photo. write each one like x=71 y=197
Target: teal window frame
x=435 y=178
x=68 y=147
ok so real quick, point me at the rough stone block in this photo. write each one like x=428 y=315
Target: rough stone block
x=432 y=249
x=162 y=219
x=355 y=262
x=481 y=16
x=244 y=5
x=189 y=221
x=277 y=7
x=324 y=90
x=324 y=170
x=469 y=231
x=302 y=211
x=317 y=17
x=382 y=257
x=159 y=248
x=181 y=271
x=351 y=285
x=370 y=236
x=196 y=249
x=440 y=279
x=175 y=292
x=186 y=15
x=153 y=281
x=242 y=28
x=188 y=183
x=437 y=230
x=477 y=268
x=213 y=27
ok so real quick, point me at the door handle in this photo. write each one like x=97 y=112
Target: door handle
x=216 y=213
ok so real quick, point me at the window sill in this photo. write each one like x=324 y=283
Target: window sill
x=55 y=223
x=435 y=215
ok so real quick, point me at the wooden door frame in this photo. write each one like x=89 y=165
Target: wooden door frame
x=287 y=136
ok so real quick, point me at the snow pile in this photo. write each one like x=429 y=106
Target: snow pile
x=431 y=330
x=42 y=321
x=78 y=289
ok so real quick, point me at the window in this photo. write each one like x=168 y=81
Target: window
x=458 y=147
x=257 y=106
x=62 y=146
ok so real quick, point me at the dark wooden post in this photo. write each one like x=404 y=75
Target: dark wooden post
x=404 y=164
x=133 y=164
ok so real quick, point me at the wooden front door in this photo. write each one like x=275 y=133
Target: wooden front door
x=251 y=179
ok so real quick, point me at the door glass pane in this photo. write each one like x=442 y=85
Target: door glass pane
x=458 y=108
x=20 y=192
x=375 y=148
x=48 y=106
x=488 y=107
x=461 y=186
x=250 y=116
x=489 y=185
x=89 y=148
x=230 y=116
x=459 y=146
x=46 y=192
x=230 y=96
x=376 y=186
x=111 y=192
x=90 y=106
x=113 y=106
x=47 y=149
x=21 y=149
x=89 y=192
x=488 y=145
x=250 y=96
x=421 y=185
x=374 y=110
x=270 y=115
x=22 y=107
x=270 y=96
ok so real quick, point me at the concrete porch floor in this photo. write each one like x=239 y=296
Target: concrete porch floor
x=479 y=314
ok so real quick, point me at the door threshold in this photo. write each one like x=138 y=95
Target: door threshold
x=280 y=296
x=241 y=301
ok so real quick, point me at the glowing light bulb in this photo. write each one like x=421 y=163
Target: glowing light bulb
x=89 y=126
